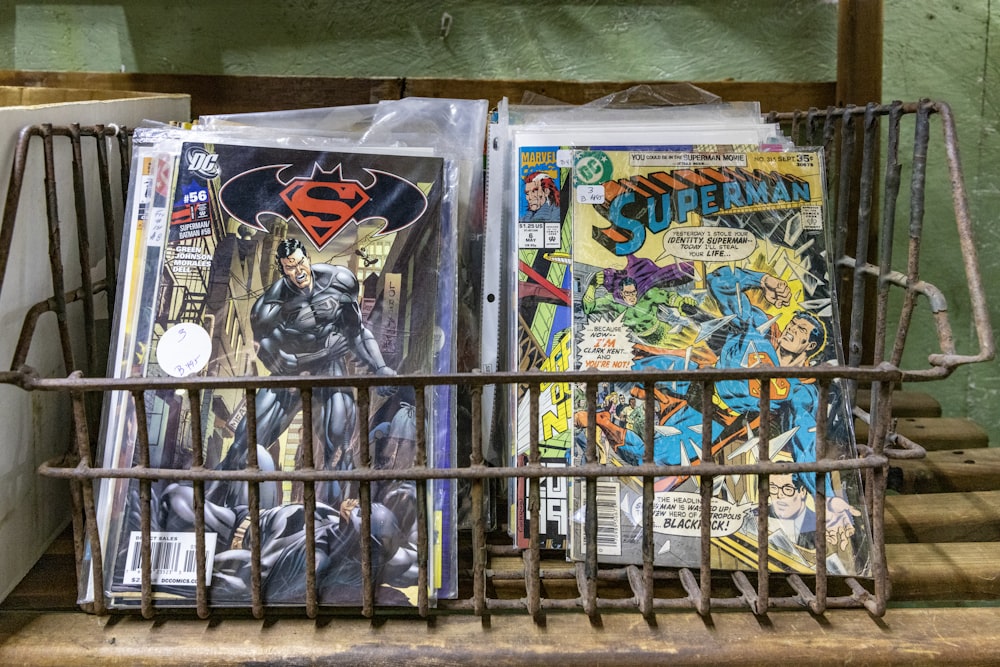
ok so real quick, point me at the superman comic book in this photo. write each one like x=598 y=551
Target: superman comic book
x=256 y=261
x=684 y=261
x=544 y=313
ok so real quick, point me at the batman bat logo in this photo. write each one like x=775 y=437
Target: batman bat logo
x=324 y=202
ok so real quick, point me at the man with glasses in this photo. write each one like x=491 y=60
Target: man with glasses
x=790 y=511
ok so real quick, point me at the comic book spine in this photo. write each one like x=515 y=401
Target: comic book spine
x=544 y=341
x=144 y=210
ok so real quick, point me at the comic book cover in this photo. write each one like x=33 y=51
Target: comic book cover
x=544 y=271
x=280 y=261
x=694 y=260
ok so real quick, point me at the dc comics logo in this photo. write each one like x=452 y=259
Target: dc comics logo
x=201 y=163
x=592 y=167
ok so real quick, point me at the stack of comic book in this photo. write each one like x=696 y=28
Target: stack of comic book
x=673 y=239
x=321 y=250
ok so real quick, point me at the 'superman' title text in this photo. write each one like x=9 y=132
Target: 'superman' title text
x=655 y=201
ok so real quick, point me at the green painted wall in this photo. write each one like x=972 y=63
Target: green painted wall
x=558 y=40
x=932 y=49
x=949 y=51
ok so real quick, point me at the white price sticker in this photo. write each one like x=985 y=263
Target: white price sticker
x=590 y=194
x=184 y=349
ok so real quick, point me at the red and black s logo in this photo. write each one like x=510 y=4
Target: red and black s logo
x=323 y=202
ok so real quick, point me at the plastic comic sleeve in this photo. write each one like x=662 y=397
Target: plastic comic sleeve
x=543 y=231
x=290 y=262
x=696 y=260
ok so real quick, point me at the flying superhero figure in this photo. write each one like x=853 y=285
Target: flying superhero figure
x=750 y=341
x=306 y=323
x=745 y=345
x=638 y=294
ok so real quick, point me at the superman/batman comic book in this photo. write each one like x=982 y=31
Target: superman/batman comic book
x=247 y=261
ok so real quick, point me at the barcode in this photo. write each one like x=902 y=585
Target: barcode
x=172 y=559
x=609 y=527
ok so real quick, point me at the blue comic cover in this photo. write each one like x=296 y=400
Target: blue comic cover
x=259 y=261
x=684 y=261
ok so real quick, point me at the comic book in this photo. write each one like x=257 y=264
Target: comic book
x=694 y=260
x=145 y=224
x=543 y=339
x=281 y=261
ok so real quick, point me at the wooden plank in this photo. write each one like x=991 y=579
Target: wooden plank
x=943 y=517
x=212 y=94
x=939 y=570
x=859 y=51
x=901 y=637
x=906 y=403
x=944 y=571
x=947 y=471
x=936 y=434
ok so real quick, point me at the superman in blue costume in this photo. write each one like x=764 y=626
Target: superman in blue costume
x=793 y=401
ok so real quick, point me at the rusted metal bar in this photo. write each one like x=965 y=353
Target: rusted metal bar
x=101 y=134
x=645 y=593
x=55 y=249
x=892 y=180
x=534 y=501
x=869 y=151
x=145 y=504
x=198 y=486
x=309 y=501
x=252 y=534
x=812 y=129
x=588 y=572
x=479 y=553
x=53 y=469
x=864 y=374
x=917 y=188
x=762 y=602
x=973 y=277
x=705 y=486
x=822 y=405
x=83 y=248
x=365 y=499
x=423 y=538
x=20 y=159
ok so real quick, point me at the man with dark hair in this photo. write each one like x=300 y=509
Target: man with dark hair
x=307 y=323
x=790 y=512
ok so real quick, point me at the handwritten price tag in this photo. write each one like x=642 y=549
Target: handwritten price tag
x=590 y=194
x=184 y=349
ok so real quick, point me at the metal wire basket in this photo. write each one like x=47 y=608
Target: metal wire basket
x=863 y=148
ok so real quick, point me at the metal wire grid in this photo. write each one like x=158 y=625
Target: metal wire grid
x=594 y=588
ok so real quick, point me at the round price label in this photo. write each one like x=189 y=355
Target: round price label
x=184 y=349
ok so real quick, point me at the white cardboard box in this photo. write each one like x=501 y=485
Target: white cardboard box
x=36 y=425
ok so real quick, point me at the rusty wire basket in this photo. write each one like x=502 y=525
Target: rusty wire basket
x=863 y=148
